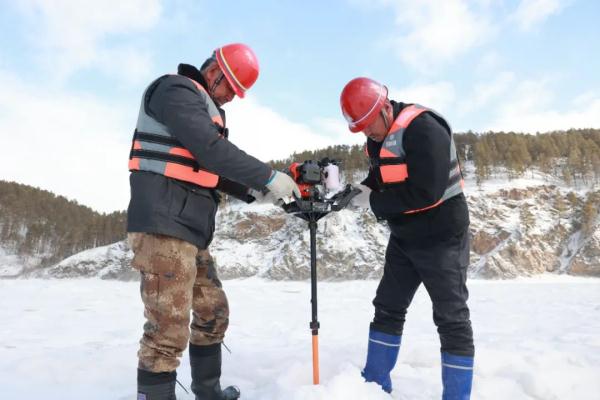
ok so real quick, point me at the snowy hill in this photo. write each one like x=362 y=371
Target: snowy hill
x=106 y=262
x=14 y=264
x=519 y=232
x=518 y=229
x=39 y=228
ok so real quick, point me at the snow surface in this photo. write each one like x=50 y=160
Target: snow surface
x=77 y=339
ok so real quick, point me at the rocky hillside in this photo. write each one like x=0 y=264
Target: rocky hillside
x=531 y=230
x=521 y=227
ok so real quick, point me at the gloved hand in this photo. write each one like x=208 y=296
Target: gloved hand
x=361 y=200
x=259 y=196
x=281 y=187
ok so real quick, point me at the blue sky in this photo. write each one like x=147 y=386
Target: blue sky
x=72 y=73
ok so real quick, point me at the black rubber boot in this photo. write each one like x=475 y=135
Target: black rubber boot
x=206 y=374
x=156 y=386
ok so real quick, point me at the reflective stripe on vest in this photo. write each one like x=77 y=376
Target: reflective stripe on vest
x=154 y=149
x=392 y=157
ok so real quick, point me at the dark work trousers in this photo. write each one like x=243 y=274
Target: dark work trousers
x=442 y=267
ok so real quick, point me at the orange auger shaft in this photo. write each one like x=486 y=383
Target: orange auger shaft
x=311 y=209
x=314 y=323
x=315 y=353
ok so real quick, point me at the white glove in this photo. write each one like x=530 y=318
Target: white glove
x=259 y=196
x=361 y=200
x=281 y=186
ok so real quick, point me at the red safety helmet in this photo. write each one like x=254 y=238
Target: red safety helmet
x=239 y=65
x=361 y=101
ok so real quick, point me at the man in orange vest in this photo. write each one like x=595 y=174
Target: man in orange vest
x=415 y=184
x=180 y=158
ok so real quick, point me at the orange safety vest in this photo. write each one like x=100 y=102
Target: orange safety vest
x=154 y=149
x=392 y=157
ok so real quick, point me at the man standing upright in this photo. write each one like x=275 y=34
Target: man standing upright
x=415 y=184
x=180 y=157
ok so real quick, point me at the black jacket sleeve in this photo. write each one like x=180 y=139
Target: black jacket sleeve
x=177 y=104
x=370 y=181
x=427 y=146
x=234 y=189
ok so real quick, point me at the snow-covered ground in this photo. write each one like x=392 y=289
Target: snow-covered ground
x=77 y=339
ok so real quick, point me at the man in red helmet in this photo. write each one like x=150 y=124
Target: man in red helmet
x=415 y=184
x=180 y=158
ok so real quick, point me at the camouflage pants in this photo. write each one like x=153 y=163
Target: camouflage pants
x=176 y=277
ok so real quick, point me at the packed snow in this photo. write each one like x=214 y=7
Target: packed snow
x=77 y=339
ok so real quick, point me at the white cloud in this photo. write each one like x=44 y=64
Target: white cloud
x=267 y=135
x=336 y=129
x=490 y=61
x=487 y=92
x=505 y=102
x=126 y=63
x=431 y=32
x=77 y=145
x=550 y=120
x=527 y=107
x=438 y=96
x=70 y=33
x=530 y=13
x=70 y=144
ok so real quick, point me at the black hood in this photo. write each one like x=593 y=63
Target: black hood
x=192 y=72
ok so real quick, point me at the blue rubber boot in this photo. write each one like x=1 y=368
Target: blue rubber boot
x=457 y=377
x=381 y=358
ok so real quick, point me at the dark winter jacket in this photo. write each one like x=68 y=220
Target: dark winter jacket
x=427 y=146
x=166 y=206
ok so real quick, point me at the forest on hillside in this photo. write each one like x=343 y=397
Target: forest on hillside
x=38 y=222
x=572 y=155
x=35 y=221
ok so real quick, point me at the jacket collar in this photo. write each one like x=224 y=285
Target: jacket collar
x=192 y=72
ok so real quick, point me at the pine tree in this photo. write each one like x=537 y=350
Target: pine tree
x=573 y=200
x=574 y=161
x=590 y=213
x=482 y=161
x=526 y=217
x=560 y=206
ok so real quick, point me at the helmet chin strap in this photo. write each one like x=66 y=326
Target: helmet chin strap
x=385 y=119
x=213 y=87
